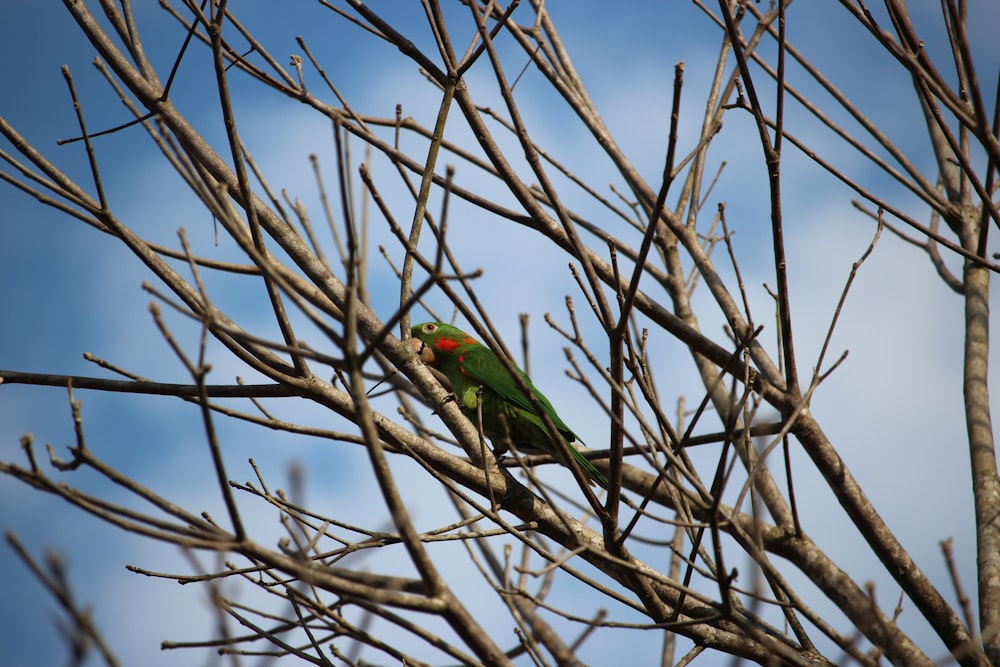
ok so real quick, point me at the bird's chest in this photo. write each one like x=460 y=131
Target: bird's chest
x=500 y=420
x=487 y=410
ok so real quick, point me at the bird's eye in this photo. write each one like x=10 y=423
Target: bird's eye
x=429 y=328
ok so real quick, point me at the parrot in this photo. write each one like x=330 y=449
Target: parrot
x=469 y=365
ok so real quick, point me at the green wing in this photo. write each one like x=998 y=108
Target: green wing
x=480 y=364
x=482 y=367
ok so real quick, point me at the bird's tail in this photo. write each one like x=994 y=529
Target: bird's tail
x=588 y=468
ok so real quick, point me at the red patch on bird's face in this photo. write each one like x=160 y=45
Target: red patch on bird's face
x=447 y=345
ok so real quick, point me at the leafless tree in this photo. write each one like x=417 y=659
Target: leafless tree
x=699 y=538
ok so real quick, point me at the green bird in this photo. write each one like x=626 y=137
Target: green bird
x=506 y=410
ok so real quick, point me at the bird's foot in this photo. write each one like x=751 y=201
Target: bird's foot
x=447 y=399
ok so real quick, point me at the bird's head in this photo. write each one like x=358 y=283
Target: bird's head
x=434 y=341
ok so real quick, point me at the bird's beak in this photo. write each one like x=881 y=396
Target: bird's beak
x=425 y=353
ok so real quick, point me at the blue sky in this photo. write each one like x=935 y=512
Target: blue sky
x=893 y=409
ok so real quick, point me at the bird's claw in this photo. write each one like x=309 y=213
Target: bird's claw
x=447 y=399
